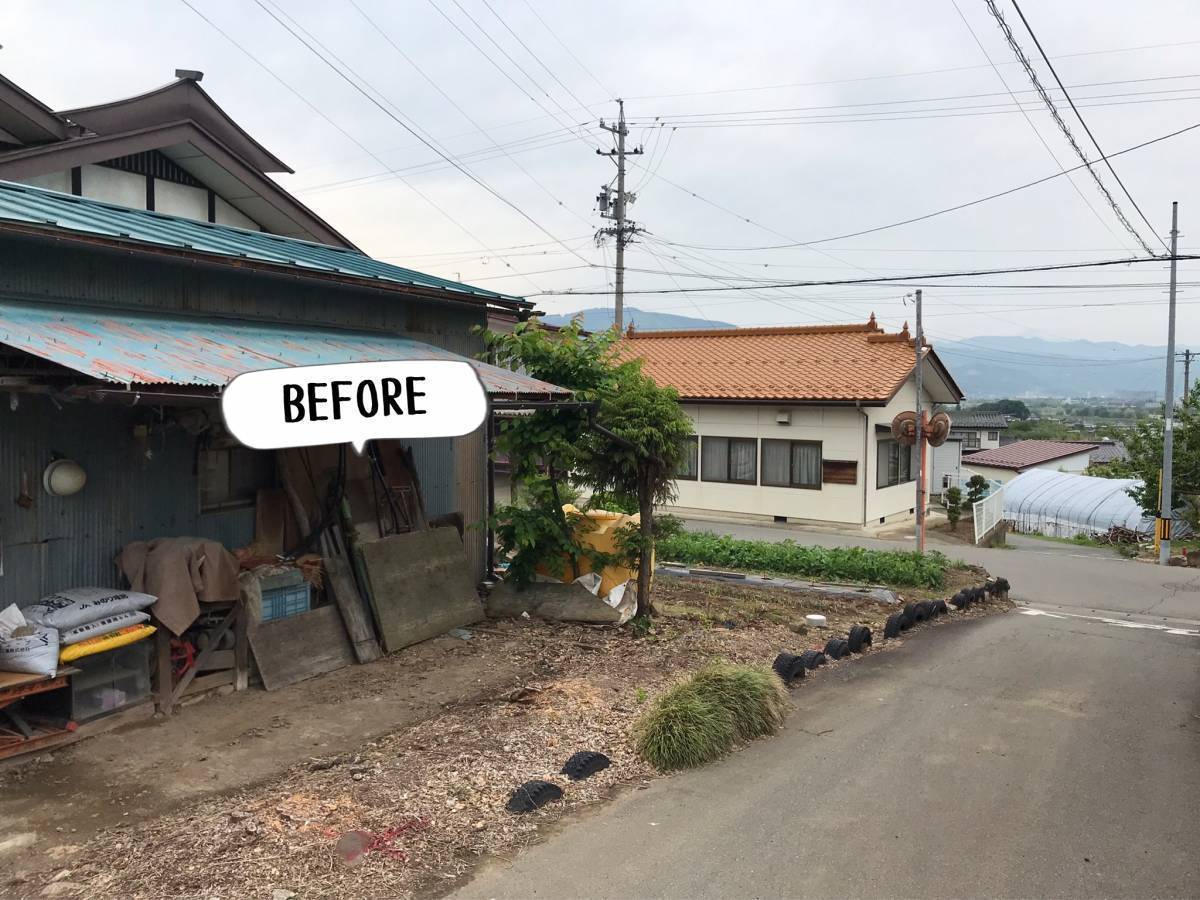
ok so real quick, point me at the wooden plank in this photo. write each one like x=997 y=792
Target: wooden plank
x=205 y=655
x=13 y=679
x=354 y=613
x=299 y=647
x=162 y=662
x=241 y=648
x=218 y=659
x=421 y=586
x=210 y=681
x=270 y=521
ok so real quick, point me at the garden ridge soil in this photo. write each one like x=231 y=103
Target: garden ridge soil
x=429 y=797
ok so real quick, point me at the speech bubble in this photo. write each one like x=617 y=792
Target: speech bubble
x=307 y=406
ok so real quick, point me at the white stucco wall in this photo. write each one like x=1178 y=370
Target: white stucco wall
x=839 y=429
x=229 y=215
x=51 y=181
x=180 y=200
x=114 y=186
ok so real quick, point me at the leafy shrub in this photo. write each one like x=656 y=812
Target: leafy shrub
x=754 y=696
x=684 y=729
x=899 y=567
x=954 y=506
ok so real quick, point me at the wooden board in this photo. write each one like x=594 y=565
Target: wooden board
x=271 y=519
x=421 y=585
x=299 y=647
x=354 y=613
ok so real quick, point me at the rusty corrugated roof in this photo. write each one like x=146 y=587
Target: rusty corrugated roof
x=140 y=348
x=814 y=363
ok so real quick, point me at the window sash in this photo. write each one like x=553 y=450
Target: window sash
x=689 y=465
x=794 y=464
x=894 y=464
x=729 y=460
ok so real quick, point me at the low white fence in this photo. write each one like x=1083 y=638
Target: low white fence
x=988 y=513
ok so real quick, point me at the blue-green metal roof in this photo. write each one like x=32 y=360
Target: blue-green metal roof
x=52 y=210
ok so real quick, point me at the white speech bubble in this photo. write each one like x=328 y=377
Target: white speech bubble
x=307 y=406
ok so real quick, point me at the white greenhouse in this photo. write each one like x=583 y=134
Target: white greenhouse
x=1059 y=504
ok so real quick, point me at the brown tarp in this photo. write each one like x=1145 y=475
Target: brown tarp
x=182 y=572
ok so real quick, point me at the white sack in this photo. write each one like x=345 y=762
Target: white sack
x=34 y=653
x=107 y=625
x=78 y=606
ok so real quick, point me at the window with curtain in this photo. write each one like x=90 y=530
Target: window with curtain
x=791 y=464
x=688 y=466
x=894 y=464
x=729 y=459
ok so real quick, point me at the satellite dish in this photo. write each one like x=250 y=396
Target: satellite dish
x=939 y=429
x=904 y=428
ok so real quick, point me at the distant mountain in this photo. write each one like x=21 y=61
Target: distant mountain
x=996 y=366
x=598 y=319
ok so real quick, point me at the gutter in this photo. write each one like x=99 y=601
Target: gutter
x=866 y=457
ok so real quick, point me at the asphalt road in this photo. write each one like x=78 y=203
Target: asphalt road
x=1051 y=751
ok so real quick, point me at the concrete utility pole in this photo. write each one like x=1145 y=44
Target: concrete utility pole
x=918 y=446
x=615 y=208
x=1165 y=509
x=1187 y=373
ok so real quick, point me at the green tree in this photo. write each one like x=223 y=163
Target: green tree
x=977 y=488
x=637 y=452
x=625 y=445
x=953 y=507
x=1145 y=446
x=1015 y=408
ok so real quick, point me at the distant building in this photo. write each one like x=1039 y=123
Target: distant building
x=977 y=431
x=1005 y=463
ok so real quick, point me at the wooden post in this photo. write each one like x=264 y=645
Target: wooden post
x=241 y=648
x=162 y=654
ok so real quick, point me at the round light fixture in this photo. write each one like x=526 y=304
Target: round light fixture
x=64 y=477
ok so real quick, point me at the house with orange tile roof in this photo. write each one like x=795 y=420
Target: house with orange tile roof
x=794 y=423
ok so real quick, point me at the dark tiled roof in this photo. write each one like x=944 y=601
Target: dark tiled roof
x=977 y=420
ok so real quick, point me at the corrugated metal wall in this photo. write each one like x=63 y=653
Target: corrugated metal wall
x=62 y=542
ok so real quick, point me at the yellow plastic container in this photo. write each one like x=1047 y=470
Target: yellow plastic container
x=598 y=532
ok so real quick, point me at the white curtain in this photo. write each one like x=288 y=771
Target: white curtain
x=714 y=458
x=806 y=465
x=776 y=463
x=742 y=461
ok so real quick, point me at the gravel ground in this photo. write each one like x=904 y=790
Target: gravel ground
x=427 y=802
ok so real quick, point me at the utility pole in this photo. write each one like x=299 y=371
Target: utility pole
x=919 y=446
x=1187 y=373
x=1165 y=509
x=615 y=208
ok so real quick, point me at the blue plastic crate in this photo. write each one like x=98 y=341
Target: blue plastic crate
x=291 y=600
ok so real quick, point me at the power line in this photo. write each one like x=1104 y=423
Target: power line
x=905 y=280
x=609 y=93
x=1083 y=122
x=347 y=135
x=409 y=128
x=1030 y=122
x=939 y=212
x=1062 y=125
x=894 y=75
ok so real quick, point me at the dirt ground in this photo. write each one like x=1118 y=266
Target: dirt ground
x=248 y=795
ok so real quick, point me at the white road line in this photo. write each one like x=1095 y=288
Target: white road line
x=1120 y=623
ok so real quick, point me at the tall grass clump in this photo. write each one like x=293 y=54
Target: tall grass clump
x=699 y=720
x=754 y=696
x=786 y=557
x=684 y=729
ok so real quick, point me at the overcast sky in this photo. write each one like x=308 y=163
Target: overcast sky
x=844 y=147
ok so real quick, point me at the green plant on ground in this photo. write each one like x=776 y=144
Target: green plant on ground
x=855 y=564
x=954 y=506
x=754 y=697
x=640 y=697
x=684 y=729
x=700 y=719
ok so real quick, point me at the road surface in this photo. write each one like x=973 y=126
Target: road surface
x=1053 y=751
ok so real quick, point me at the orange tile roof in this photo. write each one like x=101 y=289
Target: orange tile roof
x=828 y=363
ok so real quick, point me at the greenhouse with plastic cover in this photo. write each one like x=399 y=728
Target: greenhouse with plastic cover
x=1059 y=504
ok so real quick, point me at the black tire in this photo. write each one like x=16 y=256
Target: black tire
x=931 y=609
x=960 y=599
x=920 y=612
x=940 y=606
x=1000 y=586
x=583 y=764
x=788 y=667
x=906 y=621
x=892 y=628
x=810 y=659
x=859 y=638
x=910 y=610
x=836 y=648
x=533 y=795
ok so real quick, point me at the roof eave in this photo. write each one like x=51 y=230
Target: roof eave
x=53 y=233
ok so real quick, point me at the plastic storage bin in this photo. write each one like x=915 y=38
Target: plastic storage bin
x=286 y=594
x=107 y=682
